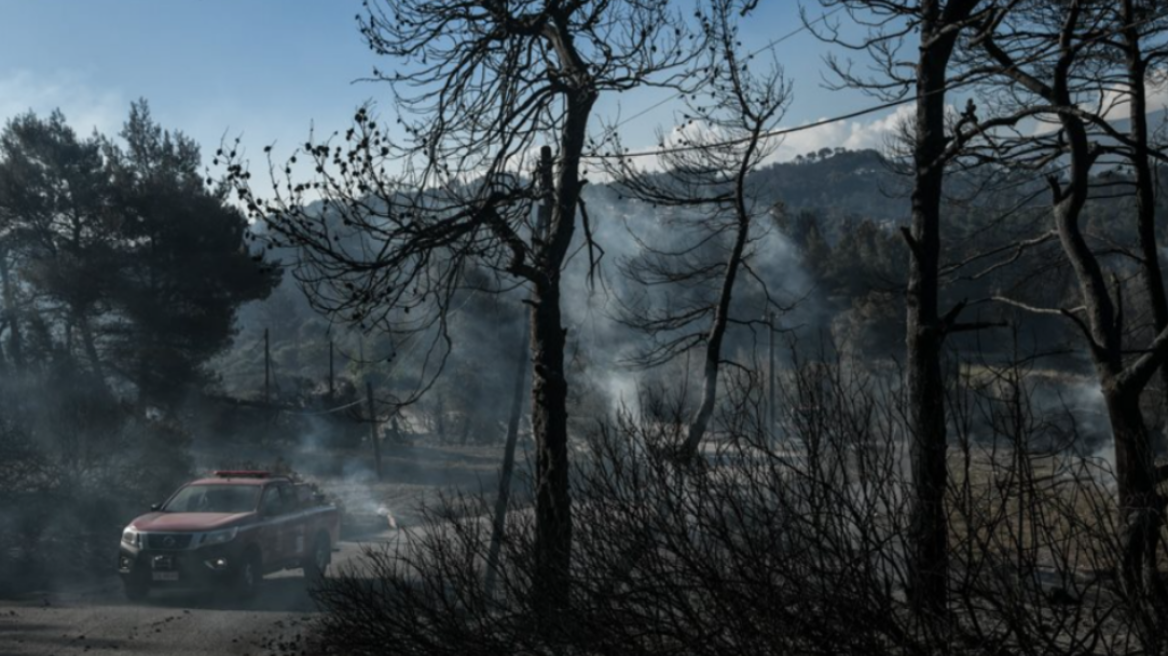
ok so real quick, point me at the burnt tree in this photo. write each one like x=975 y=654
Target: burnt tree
x=1141 y=44
x=933 y=29
x=712 y=209
x=1055 y=61
x=481 y=85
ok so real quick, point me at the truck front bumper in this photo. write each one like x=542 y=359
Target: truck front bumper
x=188 y=568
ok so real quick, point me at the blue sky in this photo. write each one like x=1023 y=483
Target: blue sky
x=269 y=69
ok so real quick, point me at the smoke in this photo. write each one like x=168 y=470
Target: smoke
x=596 y=299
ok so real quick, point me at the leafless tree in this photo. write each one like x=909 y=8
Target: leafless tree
x=1052 y=57
x=481 y=83
x=705 y=186
x=932 y=28
x=1142 y=45
x=775 y=549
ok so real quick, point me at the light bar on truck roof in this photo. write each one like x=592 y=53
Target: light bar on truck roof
x=228 y=473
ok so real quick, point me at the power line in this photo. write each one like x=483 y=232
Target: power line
x=835 y=119
x=749 y=55
x=765 y=135
x=286 y=409
x=325 y=411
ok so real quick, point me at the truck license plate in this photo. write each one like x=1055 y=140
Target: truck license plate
x=165 y=576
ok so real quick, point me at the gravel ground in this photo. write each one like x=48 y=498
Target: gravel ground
x=98 y=619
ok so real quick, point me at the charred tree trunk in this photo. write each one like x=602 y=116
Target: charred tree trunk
x=549 y=385
x=549 y=416
x=1142 y=508
x=547 y=186
x=90 y=346
x=15 y=345
x=928 y=554
x=1145 y=517
x=713 y=354
x=1150 y=271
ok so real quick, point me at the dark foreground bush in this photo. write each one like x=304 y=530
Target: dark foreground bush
x=75 y=466
x=783 y=541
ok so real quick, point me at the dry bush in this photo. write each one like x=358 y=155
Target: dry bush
x=784 y=541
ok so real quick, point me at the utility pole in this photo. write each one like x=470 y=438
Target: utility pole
x=331 y=371
x=508 y=460
x=500 y=520
x=373 y=428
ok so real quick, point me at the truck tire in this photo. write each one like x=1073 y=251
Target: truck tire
x=317 y=561
x=249 y=575
x=137 y=588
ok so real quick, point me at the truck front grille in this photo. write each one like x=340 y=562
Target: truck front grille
x=168 y=541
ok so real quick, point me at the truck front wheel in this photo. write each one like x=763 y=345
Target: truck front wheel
x=137 y=588
x=317 y=561
x=248 y=576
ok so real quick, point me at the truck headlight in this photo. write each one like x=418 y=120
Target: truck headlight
x=219 y=537
x=132 y=537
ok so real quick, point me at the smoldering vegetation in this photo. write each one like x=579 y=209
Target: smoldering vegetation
x=784 y=538
x=789 y=536
x=74 y=464
x=84 y=454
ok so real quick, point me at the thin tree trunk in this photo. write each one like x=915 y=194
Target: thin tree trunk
x=15 y=343
x=501 y=502
x=928 y=551
x=526 y=347
x=713 y=356
x=90 y=347
x=549 y=388
x=465 y=434
x=553 y=510
x=1150 y=271
x=1141 y=506
x=1142 y=530
x=374 y=437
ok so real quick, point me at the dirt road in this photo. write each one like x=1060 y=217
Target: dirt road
x=97 y=619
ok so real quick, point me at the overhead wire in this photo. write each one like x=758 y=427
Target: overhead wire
x=780 y=132
x=769 y=46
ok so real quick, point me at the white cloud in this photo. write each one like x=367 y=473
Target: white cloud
x=853 y=135
x=1114 y=104
x=85 y=108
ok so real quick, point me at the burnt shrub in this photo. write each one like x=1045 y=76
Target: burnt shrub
x=784 y=539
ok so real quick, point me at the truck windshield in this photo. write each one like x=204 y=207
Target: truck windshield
x=214 y=499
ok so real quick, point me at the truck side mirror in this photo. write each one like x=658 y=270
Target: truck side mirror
x=155 y=506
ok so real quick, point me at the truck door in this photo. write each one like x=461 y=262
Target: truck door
x=284 y=526
x=272 y=514
x=295 y=525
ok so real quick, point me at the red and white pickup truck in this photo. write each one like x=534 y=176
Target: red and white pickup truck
x=229 y=529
